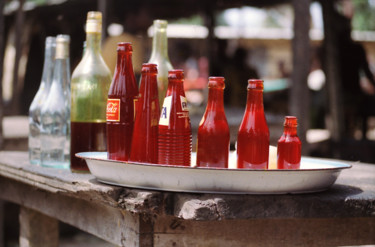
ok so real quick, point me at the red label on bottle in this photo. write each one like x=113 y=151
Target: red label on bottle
x=113 y=110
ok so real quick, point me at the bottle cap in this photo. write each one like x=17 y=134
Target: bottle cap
x=176 y=74
x=216 y=82
x=255 y=84
x=124 y=46
x=290 y=121
x=94 y=22
x=62 y=46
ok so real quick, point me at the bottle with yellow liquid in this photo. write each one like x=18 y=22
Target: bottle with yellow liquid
x=90 y=83
x=159 y=56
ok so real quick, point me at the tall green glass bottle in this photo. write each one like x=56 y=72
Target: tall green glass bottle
x=159 y=56
x=89 y=89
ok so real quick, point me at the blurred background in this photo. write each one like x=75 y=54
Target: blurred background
x=317 y=60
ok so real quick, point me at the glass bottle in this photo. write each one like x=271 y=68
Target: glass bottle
x=253 y=135
x=159 y=56
x=91 y=80
x=55 y=134
x=120 y=105
x=213 y=132
x=289 y=146
x=174 y=124
x=39 y=100
x=144 y=146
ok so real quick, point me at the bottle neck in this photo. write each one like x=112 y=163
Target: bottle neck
x=61 y=73
x=254 y=99
x=160 y=44
x=93 y=43
x=49 y=60
x=175 y=87
x=290 y=130
x=124 y=61
x=215 y=99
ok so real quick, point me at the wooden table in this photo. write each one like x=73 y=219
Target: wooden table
x=343 y=215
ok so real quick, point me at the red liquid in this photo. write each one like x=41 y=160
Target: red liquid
x=253 y=135
x=213 y=132
x=124 y=88
x=174 y=124
x=145 y=135
x=289 y=146
x=86 y=137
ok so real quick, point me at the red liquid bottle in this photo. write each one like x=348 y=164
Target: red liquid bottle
x=213 y=132
x=174 y=124
x=253 y=135
x=289 y=146
x=145 y=134
x=120 y=105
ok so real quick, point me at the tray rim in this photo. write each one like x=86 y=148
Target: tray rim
x=337 y=164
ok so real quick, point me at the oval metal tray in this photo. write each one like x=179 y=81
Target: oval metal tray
x=313 y=176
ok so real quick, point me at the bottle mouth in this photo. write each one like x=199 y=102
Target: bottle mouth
x=255 y=84
x=94 y=22
x=216 y=82
x=176 y=74
x=290 y=121
x=149 y=68
x=94 y=15
x=124 y=46
x=62 y=46
x=50 y=40
x=160 y=23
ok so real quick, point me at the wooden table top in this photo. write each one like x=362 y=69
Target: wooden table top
x=353 y=195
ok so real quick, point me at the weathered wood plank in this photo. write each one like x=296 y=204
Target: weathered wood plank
x=111 y=224
x=37 y=229
x=266 y=232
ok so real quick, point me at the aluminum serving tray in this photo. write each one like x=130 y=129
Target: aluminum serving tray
x=313 y=176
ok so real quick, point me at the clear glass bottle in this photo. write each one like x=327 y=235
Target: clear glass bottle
x=213 y=132
x=121 y=105
x=289 y=146
x=253 y=136
x=55 y=134
x=144 y=146
x=39 y=100
x=159 y=56
x=174 y=124
x=91 y=80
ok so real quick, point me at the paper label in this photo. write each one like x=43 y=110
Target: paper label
x=113 y=110
x=184 y=105
x=166 y=111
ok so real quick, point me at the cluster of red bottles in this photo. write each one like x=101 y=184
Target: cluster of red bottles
x=174 y=125
x=138 y=131
x=253 y=134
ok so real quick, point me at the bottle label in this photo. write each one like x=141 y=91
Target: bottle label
x=184 y=105
x=166 y=111
x=113 y=110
